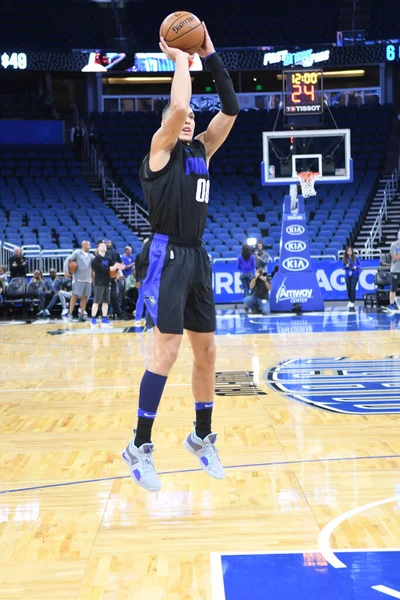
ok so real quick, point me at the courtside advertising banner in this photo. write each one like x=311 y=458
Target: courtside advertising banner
x=329 y=277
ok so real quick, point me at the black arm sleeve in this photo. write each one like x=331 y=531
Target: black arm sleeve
x=224 y=85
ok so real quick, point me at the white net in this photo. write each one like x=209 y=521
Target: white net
x=307 y=180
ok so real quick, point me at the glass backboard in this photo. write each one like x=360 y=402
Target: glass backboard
x=326 y=151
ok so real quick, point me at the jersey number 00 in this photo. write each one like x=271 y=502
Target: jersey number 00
x=202 y=190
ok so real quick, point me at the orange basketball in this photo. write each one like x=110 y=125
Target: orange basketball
x=72 y=266
x=183 y=30
x=113 y=274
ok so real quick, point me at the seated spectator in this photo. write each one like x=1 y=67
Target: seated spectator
x=17 y=264
x=262 y=256
x=246 y=264
x=52 y=286
x=65 y=294
x=259 y=297
x=3 y=277
x=35 y=288
x=38 y=276
x=2 y=291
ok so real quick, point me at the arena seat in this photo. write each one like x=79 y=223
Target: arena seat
x=53 y=211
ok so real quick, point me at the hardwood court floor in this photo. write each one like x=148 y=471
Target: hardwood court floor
x=74 y=526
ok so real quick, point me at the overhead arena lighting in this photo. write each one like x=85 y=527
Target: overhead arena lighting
x=338 y=74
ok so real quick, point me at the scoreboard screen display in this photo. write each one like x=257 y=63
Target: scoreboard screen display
x=303 y=92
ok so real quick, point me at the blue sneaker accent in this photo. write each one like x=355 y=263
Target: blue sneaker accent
x=206 y=453
x=106 y=321
x=93 y=322
x=141 y=466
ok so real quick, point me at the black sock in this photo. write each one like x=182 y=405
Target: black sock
x=203 y=422
x=143 y=431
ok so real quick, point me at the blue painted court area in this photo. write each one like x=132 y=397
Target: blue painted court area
x=308 y=576
x=333 y=319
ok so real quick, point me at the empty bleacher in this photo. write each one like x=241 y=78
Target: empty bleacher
x=45 y=201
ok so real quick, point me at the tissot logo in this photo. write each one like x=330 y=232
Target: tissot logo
x=295 y=246
x=340 y=384
x=297 y=263
x=295 y=229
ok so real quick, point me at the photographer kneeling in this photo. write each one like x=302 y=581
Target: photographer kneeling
x=259 y=298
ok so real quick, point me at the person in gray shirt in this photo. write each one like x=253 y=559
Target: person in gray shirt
x=394 y=271
x=82 y=278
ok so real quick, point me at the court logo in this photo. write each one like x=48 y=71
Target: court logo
x=294 y=295
x=297 y=263
x=295 y=229
x=340 y=384
x=295 y=246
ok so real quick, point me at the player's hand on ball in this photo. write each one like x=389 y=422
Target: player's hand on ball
x=207 y=47
x=173 y=53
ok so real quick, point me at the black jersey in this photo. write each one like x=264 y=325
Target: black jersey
x=177 y=195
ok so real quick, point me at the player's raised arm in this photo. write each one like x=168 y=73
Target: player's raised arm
x=220 y=126
x=181 y=90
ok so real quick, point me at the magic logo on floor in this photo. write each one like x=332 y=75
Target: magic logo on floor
x=340 y=384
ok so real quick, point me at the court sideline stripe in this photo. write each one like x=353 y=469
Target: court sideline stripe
x=324 y=543
x=266 y=464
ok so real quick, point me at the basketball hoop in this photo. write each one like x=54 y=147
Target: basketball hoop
x=307 y=180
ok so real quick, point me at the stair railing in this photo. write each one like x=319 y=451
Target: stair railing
x=377 y=228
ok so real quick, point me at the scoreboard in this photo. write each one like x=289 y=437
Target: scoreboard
x=303 y=92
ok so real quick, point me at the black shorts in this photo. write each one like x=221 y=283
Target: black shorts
x=177 y=286
x=101 y=294
x=394 y=281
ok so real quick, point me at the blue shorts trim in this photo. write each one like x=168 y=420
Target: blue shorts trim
x=151 y=285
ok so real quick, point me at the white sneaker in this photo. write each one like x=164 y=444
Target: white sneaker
x=46 y=313
x=349 y=305
x=64 y=312
x=141 y=466
x=206 y=452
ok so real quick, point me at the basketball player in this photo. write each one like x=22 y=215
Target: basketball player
x=177 y=286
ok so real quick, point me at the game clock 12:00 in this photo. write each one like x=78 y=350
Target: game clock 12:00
x=302 y=92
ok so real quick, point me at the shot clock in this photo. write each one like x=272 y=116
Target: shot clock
x=302 y=92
